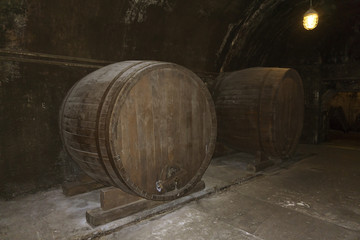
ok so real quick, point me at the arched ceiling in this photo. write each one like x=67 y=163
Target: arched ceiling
x=271 y=34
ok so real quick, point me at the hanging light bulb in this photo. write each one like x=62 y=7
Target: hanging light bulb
x=311 y=18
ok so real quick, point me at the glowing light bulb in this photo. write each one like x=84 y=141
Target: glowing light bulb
x=311 y=19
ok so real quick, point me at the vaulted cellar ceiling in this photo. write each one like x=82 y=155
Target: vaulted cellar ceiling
x=270 y=33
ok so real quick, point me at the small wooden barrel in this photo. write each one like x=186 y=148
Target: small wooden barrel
x=260 y=109
x=146 y=127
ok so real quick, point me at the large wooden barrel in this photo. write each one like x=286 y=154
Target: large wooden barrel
x=146 y=127
x=260 y=109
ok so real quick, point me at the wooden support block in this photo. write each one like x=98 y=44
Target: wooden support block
x=113 y=197
x=97 y=216
x=260 y=166
x=261 y=162
x=260 y=157
x=198 y=187
x=82 y=185
x=116 y=204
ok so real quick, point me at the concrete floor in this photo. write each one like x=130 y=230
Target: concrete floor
x=317 y=197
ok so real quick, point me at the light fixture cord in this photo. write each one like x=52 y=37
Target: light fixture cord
x=310 y=3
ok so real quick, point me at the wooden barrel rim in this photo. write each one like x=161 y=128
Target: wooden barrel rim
x=117 y=181
x=298 y=82
x=287 y=73
x=119 y=100
x=264 y=79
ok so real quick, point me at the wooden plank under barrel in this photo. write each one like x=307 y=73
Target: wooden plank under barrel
x=260 y=109
x=146 y=127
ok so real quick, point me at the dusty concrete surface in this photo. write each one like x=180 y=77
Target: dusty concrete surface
x=51 y=215
x=317 y=197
